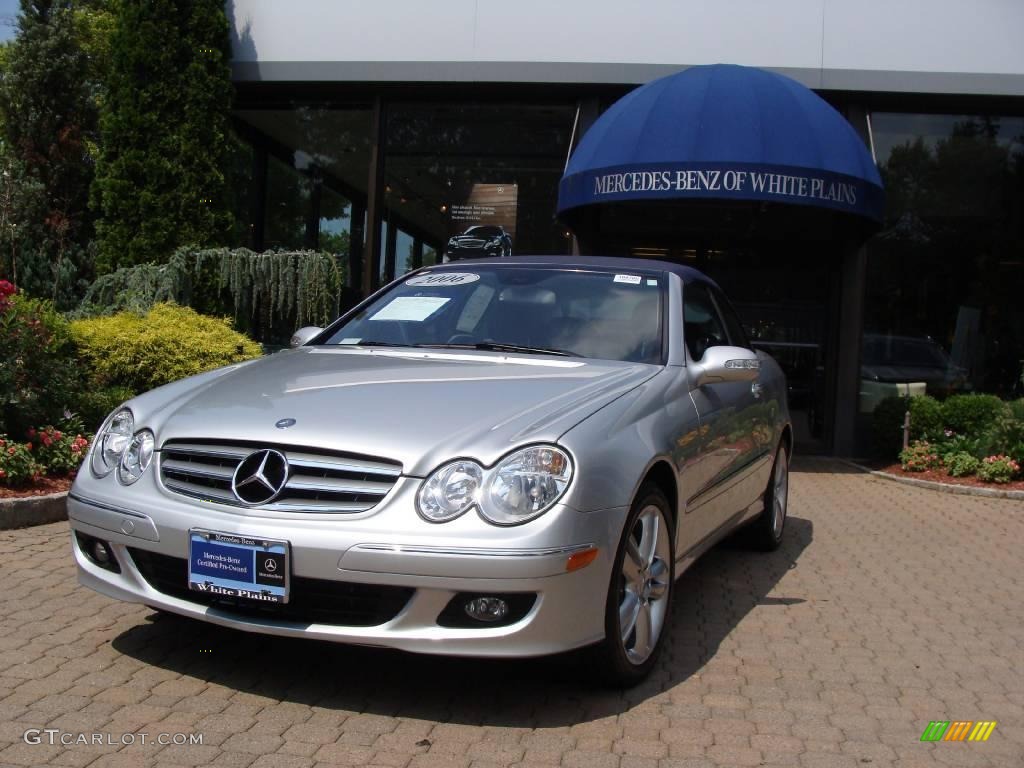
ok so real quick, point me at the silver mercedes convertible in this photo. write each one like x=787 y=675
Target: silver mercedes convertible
x=495 y=457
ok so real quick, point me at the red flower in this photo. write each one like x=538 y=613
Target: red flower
x=28 y=446
x=57 y=435
x=47 y=441
x=31 y=432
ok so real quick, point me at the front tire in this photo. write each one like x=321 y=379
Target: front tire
x=639 y=600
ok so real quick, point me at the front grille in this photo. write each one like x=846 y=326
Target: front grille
x=318 y=481
x=311 y=601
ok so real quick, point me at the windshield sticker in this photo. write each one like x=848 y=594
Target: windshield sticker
x=435 y=279
x=651 y=281
x=629 y=279
x=350 y=341
x=414 y=308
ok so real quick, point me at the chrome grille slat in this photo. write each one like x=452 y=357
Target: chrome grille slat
x=355 y=466
x=212 y=471
x=200 y=491
x=319 y=482
x=307 y=483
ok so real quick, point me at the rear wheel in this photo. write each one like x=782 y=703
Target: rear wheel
x=766 y=531
x=639 y=598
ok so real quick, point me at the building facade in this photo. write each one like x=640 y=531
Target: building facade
x=400 y=133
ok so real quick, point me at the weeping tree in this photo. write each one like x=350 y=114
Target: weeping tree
x=161 y=179
x=270 y=294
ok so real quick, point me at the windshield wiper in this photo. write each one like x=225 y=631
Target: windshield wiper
x=495 y=346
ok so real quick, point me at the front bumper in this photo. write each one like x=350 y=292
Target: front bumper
x=433 y=562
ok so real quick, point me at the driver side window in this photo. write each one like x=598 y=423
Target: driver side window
x=702 y=326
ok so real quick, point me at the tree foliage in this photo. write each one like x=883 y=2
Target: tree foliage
x=161 y=177
x=48 y=120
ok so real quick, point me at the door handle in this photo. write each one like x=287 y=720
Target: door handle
x=756 y=388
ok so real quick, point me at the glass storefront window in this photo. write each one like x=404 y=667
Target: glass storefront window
x=316 y=161
x=471 y=180
x=943 y=309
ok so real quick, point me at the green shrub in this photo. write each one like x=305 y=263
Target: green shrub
x=96 y=403
x=887 y=422
x=18 y=465
x=971 y=414
x=998 y=469
x=39 y=376
x=168 y=343
x=1004 y=436
x=919 y=457
x=961 y=464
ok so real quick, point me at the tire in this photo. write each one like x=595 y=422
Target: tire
x=766 y=531
x=639 y=592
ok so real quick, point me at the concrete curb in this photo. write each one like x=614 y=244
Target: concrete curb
x=33 y=510
x=963 y=490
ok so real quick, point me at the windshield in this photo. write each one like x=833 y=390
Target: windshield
x=484 y=231
x=903 y=351
x=532 y=309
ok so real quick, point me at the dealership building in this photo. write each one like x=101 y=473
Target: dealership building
x=397 y=132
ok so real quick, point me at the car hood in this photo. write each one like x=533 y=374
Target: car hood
x=417 y=407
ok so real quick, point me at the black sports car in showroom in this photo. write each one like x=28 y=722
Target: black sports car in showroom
x=481 y=240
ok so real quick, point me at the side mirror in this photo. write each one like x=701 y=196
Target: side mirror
x=721 y=364
x=303 y=335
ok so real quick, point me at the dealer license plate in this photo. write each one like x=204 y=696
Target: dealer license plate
x=232 y=565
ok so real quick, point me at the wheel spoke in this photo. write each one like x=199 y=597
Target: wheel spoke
x=644 y=634
x=629 y=609
x=636 y=559
x=651 y=522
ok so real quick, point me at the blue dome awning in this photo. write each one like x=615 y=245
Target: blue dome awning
x=724 y=132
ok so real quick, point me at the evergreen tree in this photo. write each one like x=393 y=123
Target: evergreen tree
x=161 y=178
x=48 y=117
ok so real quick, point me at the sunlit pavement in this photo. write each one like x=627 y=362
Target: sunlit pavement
x=887 y=607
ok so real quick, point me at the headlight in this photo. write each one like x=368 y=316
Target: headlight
x=111 y=442
x=450 y=491
x=522 y=486
x=137 y=458
x=525 y=485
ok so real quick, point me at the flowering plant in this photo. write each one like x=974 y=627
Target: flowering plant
x=7 y=290
x=18 y=465
x=919 y=457
x=998 y=469
x=60 y=451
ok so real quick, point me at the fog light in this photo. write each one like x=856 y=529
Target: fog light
x=100 y=553
x=486 y=609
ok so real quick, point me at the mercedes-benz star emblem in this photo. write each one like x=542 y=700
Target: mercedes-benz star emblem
x=269 y=565
x=260 y=477
x=285 y=423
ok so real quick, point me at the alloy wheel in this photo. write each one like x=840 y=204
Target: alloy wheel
x=644 y=585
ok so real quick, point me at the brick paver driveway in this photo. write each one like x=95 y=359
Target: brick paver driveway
x=886 y=608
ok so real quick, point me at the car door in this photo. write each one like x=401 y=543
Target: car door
x=754 y=423
x=721 y=407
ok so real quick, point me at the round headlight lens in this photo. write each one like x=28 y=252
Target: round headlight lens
x=526 y=484
x=111 y=442
x=137 y=458
x=450 y=491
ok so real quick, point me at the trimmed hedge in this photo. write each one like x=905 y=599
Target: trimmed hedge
x=169 y=342
x=971 y=414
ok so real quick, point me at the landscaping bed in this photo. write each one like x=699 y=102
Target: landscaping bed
x=940 y=476
x=42 y=487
